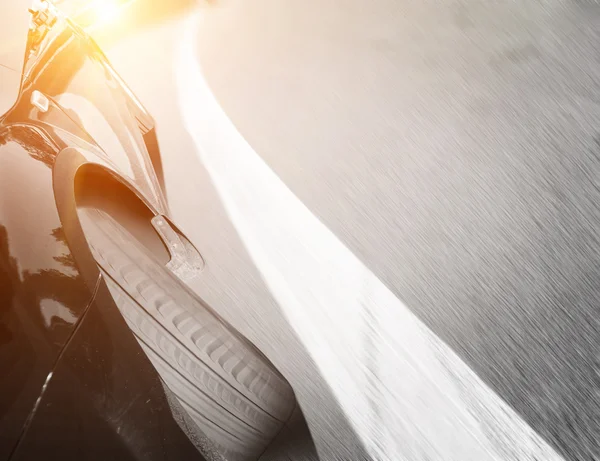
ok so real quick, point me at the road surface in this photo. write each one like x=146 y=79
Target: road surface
x=451 y=146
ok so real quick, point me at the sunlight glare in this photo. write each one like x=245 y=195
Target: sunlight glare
x=106 y=10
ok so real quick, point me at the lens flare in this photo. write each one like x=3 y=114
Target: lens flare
x=105 y=10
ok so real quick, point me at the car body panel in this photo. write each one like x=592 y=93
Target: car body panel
x=42 y=292
x=105 y=400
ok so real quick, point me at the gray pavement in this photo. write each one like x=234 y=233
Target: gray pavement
x=452 y=146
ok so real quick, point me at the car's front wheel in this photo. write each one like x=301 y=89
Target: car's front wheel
x=234 y=394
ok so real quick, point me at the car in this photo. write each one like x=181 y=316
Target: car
x=106 y=351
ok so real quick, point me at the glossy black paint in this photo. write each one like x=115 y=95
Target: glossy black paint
x=106 y=400
x=74 y=382
x=42 y=294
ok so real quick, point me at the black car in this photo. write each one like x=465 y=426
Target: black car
x=105 y=352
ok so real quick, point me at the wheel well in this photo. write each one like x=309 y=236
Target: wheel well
x=97 y=189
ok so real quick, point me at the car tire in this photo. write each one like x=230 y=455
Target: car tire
x=234 y=394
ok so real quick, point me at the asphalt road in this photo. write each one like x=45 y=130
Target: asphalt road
x=451 y=146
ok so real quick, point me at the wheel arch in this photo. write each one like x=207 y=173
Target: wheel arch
x=77 y=182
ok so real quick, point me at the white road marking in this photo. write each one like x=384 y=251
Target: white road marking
x=407 y=395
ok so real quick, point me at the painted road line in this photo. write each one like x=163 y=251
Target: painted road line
x=406 y=394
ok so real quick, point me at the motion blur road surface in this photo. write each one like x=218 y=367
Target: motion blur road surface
x=453 y=147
